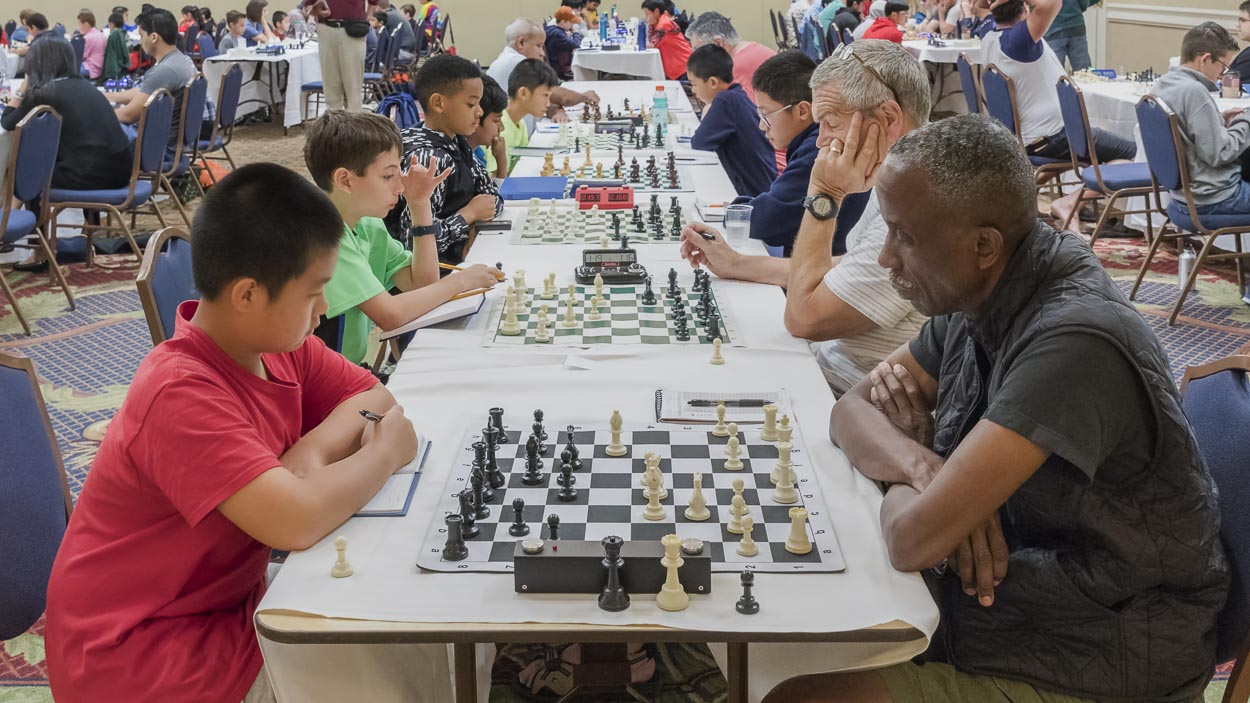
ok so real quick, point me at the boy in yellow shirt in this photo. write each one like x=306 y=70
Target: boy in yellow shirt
x=529 y=89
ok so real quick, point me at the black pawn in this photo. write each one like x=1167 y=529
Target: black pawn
x=672 y=282
x=538 y=420
x=538 y=434
x=553 y=527
x=747 y=605
x=454 y=549
x=683 y=332
x=613 y=598
x=573 y=451
x=533 y=465
x=648 y=295
x=479 y=505
x=496 y=419
x=567 y=493
x=468 y=526
x=518 y=528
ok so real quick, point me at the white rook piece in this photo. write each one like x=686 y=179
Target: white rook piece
x=615 y=447
x=769 y=433
x=798 y=541
x=341 y=568
x=672 y=596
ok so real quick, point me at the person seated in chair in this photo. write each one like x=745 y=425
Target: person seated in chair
x=1215 y=143
x=1071 y=539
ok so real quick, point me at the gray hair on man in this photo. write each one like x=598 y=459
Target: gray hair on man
x=710 y=26
x=520 y=28
x=905 y=81
x=975 y=170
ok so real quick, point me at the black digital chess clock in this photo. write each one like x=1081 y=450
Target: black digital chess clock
x=616 y=266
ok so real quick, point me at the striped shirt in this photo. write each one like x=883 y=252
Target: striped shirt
x=860 y=282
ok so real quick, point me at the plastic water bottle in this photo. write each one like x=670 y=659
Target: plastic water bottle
x=1185 y=264
x=603 y=31
x=659 y=108
x=642 y=35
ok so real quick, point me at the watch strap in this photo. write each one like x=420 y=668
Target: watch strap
x=426 y=230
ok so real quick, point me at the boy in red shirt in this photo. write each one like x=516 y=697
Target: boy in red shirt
x=241 y=433
x=887 y=27
x=667 y=37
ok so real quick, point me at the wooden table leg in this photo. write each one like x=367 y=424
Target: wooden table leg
x=465 y=655
x=737 y=674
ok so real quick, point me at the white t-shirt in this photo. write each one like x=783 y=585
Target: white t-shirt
x=1034 y=68
x=501 y=68
x=861 y=283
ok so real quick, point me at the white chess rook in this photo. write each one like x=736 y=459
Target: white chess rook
x=798 y=542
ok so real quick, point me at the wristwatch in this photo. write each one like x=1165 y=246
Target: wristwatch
x=425 y=230
x=821 y=206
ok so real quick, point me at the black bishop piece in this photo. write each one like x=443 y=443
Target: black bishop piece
x=533 y=465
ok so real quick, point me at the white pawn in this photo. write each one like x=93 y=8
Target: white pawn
x=341 y=568
x=549 y=287
x=769 y=433
x=733 y=452
x=733 y=429
x=541 y=334
x=737 y=511
x=615 y=447
x=572 y=298
x=721 y=429
x=654 y=511
x=747 y=546
x=672 y=595
x=798 y=542
x=697 y=510
x=717 y=359
x=593 y=309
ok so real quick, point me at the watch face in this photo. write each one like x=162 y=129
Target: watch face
x=822 y=205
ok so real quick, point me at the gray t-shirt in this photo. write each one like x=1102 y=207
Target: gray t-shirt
x=227 y=43
x=171 y=73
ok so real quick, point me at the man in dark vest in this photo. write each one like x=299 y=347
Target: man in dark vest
x=1056 y=499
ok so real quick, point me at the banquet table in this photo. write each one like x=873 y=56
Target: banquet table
x=11 y=63
x=949 y=54
x=314 y=628
x=263 y=77
x=588 y=64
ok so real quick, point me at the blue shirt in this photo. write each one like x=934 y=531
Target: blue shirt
x=776 y=214
x=730 y=127
x=250 y=31
x=20 y=34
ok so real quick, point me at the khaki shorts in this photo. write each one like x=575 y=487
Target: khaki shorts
x=261 y=691
x=942 y=683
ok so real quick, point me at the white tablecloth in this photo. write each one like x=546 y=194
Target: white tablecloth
x=11 y=61
x=639 y=92
x=303 y=66
x=447 y=381
x=589 y=63
x=945 y=54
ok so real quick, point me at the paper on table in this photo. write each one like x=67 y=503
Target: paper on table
x=395 y=495
x=674 y=406
x=450 y=310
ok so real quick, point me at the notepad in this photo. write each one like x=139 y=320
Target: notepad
x=449 y=310
x=676 y=406
x=394 y=497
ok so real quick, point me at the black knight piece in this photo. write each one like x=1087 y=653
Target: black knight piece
x=479 y=504
x=518 y=528
x=488 y=493
x=468 y=525
x=454 y=549
x=613 y=598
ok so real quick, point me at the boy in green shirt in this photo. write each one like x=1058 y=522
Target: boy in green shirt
x=529 y=89
x=354 y=157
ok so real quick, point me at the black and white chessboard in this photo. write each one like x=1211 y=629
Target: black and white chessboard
x=610 y=498
x=547 y=222
x=625 y=320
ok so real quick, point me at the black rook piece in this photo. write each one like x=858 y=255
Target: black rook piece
x=553 y=527
x=468 y=526
x=518 y=528
x=747 y=605
x=496 y=419
x=454 y=549
x=613 y=598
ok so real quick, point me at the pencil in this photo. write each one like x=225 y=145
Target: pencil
x=469 y=293
x=449 y=267
x=371 y=417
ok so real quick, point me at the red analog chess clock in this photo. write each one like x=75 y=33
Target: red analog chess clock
x=606 y=197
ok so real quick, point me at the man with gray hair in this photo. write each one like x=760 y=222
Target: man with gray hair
x=844 y=304
x=1056 y=499
x=526 y=39
x=715 y=28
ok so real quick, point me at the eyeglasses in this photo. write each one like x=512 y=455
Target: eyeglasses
x=848 y=50
x=1227 y=68
x=764 y=117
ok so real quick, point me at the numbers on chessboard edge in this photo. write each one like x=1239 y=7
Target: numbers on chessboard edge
x=828 y=551
x=462 y=566
x=820 y=532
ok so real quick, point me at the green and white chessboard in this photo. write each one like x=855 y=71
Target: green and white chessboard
x=565 y=223
x=624 y=319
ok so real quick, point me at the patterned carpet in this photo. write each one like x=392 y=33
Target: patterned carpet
x=86 y=358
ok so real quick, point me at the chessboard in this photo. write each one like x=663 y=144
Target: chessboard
x=679 y=315
x=610 y=498
x=547 y=222
x=649 y=175
x=607 y=139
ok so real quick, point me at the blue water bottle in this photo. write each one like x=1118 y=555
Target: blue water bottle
x=659 y=108
x=603 y=31
x=642 y=35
